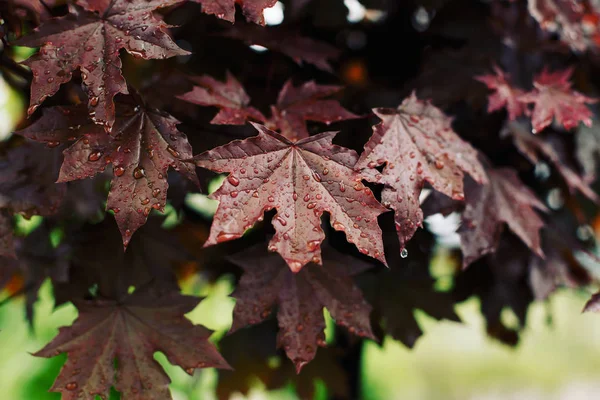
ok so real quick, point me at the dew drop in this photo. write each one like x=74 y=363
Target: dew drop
x=119 y=171
x=155 y=192
x=71 y=386
x=233 y=180
x=234 y=194
x=310 y=206
x=95 y=156
x=139 y=173
x=404 y=253
x=94 y=101
x=271 y=199
x=173 y=152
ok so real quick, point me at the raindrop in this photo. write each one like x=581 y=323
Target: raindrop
x=585 y=232
x=139 y=173
x=233 y=180
x=119 y=171
x=71 y=386
x=95 y=156
x=155 y=192
x=404 y=253
x=173 y=152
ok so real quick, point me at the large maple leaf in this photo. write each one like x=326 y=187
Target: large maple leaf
x=505 y=94
x=301 y=180
x=129 y=332
x=417 y=145
x=90 y=38
x=300 y=298
x=554 y=98
x=143 y=145
x=505 y=199
x=225 y=9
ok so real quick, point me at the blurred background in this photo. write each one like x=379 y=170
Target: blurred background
x=557 y=358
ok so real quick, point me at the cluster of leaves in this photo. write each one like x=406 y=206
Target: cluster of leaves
x=106 y=126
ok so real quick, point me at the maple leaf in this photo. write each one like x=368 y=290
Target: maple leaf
x=251 y=353
x=505 y=95
x=500 y=280
x=7 y=248
x=230 y=97
x=143 y=145
x=417 y=145
x=295 y=106
x=576 y=23
x=505 y=199
x=554 y=98
x=225 y=9
x=301 y=180
x=129 y=332
x=532 y=146
x=90 y=38
x=300 y=49
x=300 y=298
x=27 y=176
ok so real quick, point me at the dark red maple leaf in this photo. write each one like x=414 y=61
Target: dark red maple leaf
x=251 y=353
x=301 y=180
x=229 y=96
x=296 y=105
x=7 y=248
x=505 y=199
x=129 y=332
x=576 y=22
x=533 y=147
x=27 y=176
x=143 y=145
x=554 y=98
x=300 y=298
x=300 y=49
x=89 y=39
x=505 y=94
x=225 y=9
x=417 y=145
x=500 y=280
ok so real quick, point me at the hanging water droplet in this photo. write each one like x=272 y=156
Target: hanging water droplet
x=404 y=253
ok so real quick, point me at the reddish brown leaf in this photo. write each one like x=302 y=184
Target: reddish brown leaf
x=143 y=145
x=301 y=180
x=554 y=98
x=7 y=248
x=417 y=145
x=576 y=22
x=225 y=9
x=295 y=106
x=299 y=48
x=89 y=39
x=129 y=332
x=505 y=95
x=533 y=146
x=27 y=176
x=505 y=199
x=229 y=97
x=300 y=298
